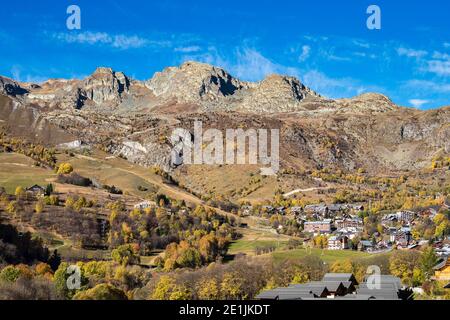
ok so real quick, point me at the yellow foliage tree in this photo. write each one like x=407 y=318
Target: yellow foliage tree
x=64 y=168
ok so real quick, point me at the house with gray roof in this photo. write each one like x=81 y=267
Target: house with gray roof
x=344 y=277
x=342 y=286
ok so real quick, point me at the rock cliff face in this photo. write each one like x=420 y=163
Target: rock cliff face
x=105 y=85
x=207 y=87
x=366 y=102
x=277 y=94
x=132 y=119
x=194 y=82
x=10 y=87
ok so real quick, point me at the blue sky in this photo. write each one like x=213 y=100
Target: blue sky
x=326 y=44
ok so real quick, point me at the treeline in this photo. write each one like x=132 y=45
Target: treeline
x=190 y=237
x=17 y=247
x=37 y=152
x=73 y=221
x=241 y=279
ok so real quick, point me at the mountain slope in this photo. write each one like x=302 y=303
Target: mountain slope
x=134 y=119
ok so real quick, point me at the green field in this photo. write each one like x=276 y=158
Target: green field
x=328 y=256
x=19 y=170
x=245 y=246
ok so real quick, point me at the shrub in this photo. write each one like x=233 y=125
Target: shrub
x=104 y=291
x=64 y=168
x=74 y=179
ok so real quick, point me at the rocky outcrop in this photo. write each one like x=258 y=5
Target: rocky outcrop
x=276 y=94
x=367 y=102
x=214 y=89
x=105 y=85
x=130 y=119
x=146 y=154
x=194 y=82
x=10 y=87
x=195 y=85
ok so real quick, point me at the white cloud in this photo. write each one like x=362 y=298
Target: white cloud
x=418 y=103
x=447 y=44
x=411 y=53
x=361 y=43
x=16 y=74
x=334 y=87
x=334 y=57
x=119 y=41
x=245 y=63
x=252 y=65
x=440 y=55
x=125 y=42
x=306 y=51
x=440 y=64
x=365 y=55
x=188 y=49
x=439 y=67
x=427 y=86
x=84 y=37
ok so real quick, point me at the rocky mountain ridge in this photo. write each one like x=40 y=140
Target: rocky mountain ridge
x=207 y=87
x=134 y=119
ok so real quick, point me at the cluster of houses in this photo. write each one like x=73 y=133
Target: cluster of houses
x=341 y=223
x=342 y=286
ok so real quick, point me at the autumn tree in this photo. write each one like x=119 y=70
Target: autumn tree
x=402 y=265
x=428 y=260
x=64 y=168
x=61 y=278
x=168 y=289
x=39 y=207
x=208 y=289
x=10 y=274
x=125 y=255
x=19 y=193
x=103 y=291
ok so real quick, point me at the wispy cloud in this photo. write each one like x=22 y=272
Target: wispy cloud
x=333 y=57
x=427 y=86
x=365 y=55
x=418 y=103
x=17 y=74
x=361 y=43
x=126 y=42
x=334 y=87
x=244 y=63
x=439 y=67
x=439 y=64
x=306 y=51
x=188 y=49
x=411 y=53
x=119 y=41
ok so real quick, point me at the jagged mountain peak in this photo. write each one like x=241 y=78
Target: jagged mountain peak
x=370 y=101
x=106 y=85
x=11 y=87
x=103 y=70
x=199 y=85
x=289 y=84
x=194 y=82
x=372 y=96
